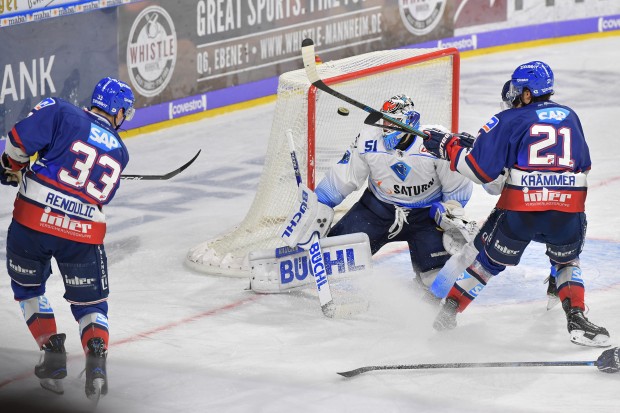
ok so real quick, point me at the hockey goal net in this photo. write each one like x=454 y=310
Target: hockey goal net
x=321 y=136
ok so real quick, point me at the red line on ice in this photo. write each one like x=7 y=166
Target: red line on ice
x=149 y=333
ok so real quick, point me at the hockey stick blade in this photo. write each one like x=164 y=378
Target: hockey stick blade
x=358 y=371
x=307 y=54
x=372 y=121
x=162 y=177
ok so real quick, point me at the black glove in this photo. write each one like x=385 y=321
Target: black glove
x=609 y=361
x=7 y=175
x=466 y=140
x=439 y=142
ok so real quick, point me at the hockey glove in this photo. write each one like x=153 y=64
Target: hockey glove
x=441 y=144
x=8 y=176
x=448 y=209
x=609 y=361
x=458 y=228
x=466 y=140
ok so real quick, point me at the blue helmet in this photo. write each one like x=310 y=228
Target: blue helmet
x=111 y=95
x=535 y=76
x=399 y=107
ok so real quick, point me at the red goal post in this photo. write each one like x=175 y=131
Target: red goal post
x=451 y=53
x=321 y=136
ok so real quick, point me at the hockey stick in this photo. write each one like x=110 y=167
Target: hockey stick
x=315 y=254
x=307 y=54
x=355 y=372
x=162 y=177
x=372 y=119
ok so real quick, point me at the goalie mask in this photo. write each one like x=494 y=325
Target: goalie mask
x=399 y=107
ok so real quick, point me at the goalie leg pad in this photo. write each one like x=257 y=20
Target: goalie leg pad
x=276 y=271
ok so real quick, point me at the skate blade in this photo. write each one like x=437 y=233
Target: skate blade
x=600 y=340
x=53 y=385
x=552 y=301
x=96 y=395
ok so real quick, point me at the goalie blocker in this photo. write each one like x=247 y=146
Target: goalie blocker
x=281 y=269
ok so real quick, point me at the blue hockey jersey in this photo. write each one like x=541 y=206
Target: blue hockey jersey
x=77 y=170
x=543 y=149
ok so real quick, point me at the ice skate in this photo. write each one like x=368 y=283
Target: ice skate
x=552 y=293
x=584 y=332
x=96 y=377
x=431 y=299
x=53 y=365
x=446 y=318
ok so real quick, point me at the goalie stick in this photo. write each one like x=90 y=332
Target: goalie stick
x=314 y=251
x=307 y=54
x=162 y=177
x=358 y=371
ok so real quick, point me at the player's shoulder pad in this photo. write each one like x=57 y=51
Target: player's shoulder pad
x=45 y=103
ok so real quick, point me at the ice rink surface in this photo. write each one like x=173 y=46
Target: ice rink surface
x=185 y=342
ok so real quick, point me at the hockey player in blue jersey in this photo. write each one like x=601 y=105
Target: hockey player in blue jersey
x=541 y=148
x=58 y=213
x=404 y=183
x=466 y=254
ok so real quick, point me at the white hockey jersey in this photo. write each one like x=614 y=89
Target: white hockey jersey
x=410 y=179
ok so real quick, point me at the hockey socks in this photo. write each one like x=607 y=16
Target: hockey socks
x=468 y=285
x=570 y=286
x=94 y=325
x=39 y=317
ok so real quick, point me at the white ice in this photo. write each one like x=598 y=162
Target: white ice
x=185 y=342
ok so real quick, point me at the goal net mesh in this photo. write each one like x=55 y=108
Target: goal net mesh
x=321 y=136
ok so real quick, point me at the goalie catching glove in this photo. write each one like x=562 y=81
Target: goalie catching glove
x=309 y=217
x=458 y=229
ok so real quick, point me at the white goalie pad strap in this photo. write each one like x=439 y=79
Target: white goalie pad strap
x=275 y=271
x=309 y=216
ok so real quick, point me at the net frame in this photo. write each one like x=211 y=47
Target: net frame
x=309 y=114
